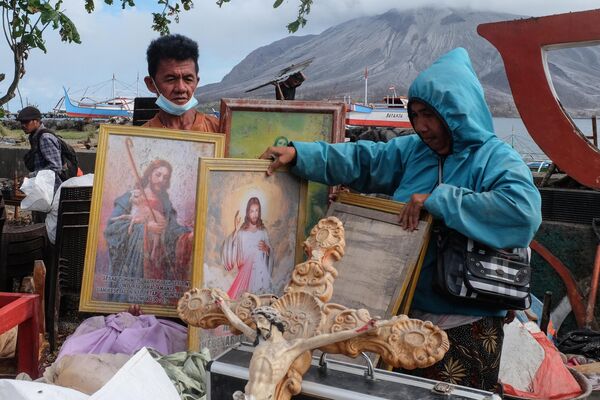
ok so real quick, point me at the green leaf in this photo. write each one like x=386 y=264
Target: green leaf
x=293 y=26
x=90 y=6
x=277 y=3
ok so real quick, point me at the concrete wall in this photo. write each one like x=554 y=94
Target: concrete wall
x=11 y=160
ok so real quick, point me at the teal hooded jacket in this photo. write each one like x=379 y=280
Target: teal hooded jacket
x=487 y=192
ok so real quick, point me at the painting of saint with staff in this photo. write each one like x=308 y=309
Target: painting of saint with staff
x=143 y=235
x=142 y=219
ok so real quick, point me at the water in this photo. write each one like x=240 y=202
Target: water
x=513 y=131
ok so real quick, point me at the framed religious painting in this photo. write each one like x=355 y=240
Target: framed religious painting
x=253 y=125
x=249 y=236
x=382 y=262
x=142 y=220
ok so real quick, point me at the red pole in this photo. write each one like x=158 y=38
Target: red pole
x=589 y=311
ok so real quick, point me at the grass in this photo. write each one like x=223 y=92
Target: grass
x=65 y=134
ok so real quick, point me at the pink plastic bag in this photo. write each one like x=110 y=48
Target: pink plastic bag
x=552 y=381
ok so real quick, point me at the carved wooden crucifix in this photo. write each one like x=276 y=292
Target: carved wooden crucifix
x=310 y=322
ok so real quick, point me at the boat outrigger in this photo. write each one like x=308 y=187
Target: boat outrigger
x=116 y=107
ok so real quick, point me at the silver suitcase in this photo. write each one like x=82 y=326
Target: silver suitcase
x=336 y=380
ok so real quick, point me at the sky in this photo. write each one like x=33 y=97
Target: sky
x=114 y=41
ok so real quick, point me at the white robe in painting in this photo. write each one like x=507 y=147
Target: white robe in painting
x=241 y=251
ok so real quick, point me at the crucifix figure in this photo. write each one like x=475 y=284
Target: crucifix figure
x=274 y=354
x=287 y=329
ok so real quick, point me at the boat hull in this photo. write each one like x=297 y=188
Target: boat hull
x=393 y=118
x=97 y=112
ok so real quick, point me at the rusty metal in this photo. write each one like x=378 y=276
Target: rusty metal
x=573 y=293
x=591 y=304
x=523 y=45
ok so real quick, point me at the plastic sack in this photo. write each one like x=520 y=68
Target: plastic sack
x=39 y=191
x=552 y=379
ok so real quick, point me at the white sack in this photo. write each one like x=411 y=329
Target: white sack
x=141 y=378
x=85 y=372
x=39 y=191
x=28 y=390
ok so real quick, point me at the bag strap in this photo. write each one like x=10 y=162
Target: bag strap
x=440 y=178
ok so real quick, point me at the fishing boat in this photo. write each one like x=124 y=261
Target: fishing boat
x=117 y=100
x=391 y=113
x=115 y=107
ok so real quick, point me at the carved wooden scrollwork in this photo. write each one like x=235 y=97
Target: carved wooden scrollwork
x=402 y=342
x=324 y=246
x=198 y=308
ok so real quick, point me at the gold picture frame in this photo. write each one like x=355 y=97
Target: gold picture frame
x=252 y=125
x=393 y=270
x=228 y=253
x=139 y=241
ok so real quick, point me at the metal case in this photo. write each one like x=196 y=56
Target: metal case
x=336 y=380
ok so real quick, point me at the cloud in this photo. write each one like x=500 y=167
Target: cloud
x=115 y=40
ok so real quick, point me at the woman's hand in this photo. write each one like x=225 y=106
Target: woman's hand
x=410 y=214
x=281 y=156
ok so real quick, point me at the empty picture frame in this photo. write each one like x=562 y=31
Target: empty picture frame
x=251 y=126
x=249 y=236
x=143 y=212
x=381 y=265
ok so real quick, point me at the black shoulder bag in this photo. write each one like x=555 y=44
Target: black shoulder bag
x=477 y=274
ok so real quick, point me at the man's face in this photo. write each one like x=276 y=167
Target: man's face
x=30 y=126
x=253 y=213
x=159 y=179
x=263 y=326
x=430 y=128
x=176 y=80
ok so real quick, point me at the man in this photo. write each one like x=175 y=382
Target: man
x=144 y=239
x=274 y=354
x=486 y=192
x=248 y=249
x=45 y=148
x=173 y=77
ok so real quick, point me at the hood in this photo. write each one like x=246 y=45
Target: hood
x=451 y=87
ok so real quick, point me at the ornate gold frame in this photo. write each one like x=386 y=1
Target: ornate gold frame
x=206 y=166
x=86 y=303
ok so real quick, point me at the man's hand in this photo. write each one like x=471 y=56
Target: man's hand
x=409 y=216
x=262 y=246
x=156 y=227
x=280 y=155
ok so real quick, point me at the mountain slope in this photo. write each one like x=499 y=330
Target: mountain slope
x=396 y=46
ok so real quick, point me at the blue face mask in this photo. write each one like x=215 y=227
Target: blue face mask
x=174 y=109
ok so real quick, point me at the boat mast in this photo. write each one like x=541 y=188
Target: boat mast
x=113 y=86
x=366 y=85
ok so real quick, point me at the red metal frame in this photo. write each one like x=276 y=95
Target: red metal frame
x=522 y=45
x=575 y=297
x=23 y=309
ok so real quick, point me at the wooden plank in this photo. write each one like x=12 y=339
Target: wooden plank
x=17 y=311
